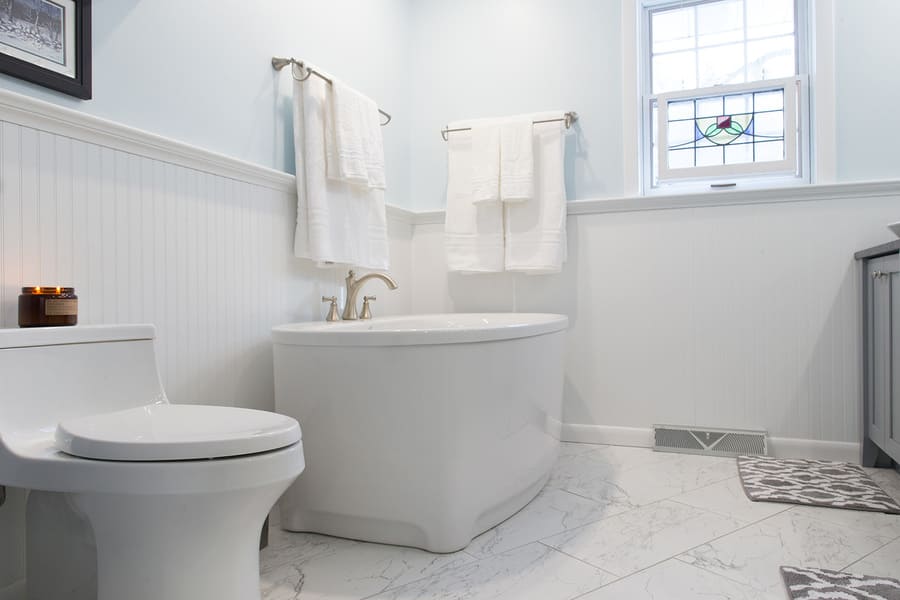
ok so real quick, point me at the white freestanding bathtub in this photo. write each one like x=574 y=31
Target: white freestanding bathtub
x=420 y=430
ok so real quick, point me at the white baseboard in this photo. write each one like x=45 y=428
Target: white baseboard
x=16 y=591
x=778 y=446
x=606 y=434
x=800 y=448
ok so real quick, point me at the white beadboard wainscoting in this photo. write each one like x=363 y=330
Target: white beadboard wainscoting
x=729 y=315
x=205 y=258
x=149 y=230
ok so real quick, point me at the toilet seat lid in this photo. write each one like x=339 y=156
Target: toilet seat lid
x=160 y=432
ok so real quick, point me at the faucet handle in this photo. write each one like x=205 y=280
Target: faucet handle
x=366 y=311
x=332 y=310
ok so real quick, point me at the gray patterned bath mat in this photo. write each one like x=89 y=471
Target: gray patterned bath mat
x=813 y=483
x=814 y=584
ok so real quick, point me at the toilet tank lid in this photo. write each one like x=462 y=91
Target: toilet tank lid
x=79 y=334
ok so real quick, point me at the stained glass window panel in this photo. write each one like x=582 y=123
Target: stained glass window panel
x=773 y=100
x=736 y=154
x=708 y=157
x=709 y=107
x=681 y=110
x=769 y=124
x=726 y=130
x=681 y=159
x=739 y=103
x=770 y=151
x=681 y=132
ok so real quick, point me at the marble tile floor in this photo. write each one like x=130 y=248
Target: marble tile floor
x=613 y=523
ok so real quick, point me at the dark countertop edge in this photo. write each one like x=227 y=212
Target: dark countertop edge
x=880 y=250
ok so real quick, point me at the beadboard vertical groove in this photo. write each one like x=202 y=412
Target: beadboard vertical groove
x=204 y=257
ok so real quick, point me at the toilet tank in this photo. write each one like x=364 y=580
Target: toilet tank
x=54 y=373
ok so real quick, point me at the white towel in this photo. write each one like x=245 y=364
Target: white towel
x=535 y=231
x=485 y=139
x=337 y=222
x=516 y=160
x=473 y=233
x=356 y=150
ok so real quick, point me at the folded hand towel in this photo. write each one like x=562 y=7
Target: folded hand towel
x=535 y=231
x=337 y=222
x=516 y=162
x=473 y=233
x=356 y=154
x=485 y=141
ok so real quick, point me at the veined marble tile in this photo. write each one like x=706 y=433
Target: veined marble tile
x=581 y=475
x=879 y=525
x=884 y=562
x=728 y=498
x=552 y=511
x=574 y=448
x=888 y=479
x=673 y=580
x=324 y=567
x=639 y=538
x=532 y=571
x=285 y=547
x=753 y=555
x=630 y=477
x=627 y=457
x=672 y=475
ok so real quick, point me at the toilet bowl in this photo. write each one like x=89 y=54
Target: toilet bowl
x=175 y=494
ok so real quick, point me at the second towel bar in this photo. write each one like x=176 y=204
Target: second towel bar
x=569 y=118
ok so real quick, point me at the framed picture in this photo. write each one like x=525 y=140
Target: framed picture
x=48 y=42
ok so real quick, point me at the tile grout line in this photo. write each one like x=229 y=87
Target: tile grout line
x=722 y=514
x=762 y=522
x=675 y=557
x=862 y=558
x=584 y=562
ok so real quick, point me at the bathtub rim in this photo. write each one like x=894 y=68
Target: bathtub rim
x=356 y=333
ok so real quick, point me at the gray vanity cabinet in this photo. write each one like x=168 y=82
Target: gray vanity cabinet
x=881 y=361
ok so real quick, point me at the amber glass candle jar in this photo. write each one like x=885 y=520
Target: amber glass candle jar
x=46 y=306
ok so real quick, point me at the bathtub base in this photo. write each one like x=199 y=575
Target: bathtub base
x=440 y=538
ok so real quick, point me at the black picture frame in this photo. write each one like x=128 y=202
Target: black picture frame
x=79 y=85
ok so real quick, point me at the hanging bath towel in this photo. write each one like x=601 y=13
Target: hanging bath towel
x=337 y=221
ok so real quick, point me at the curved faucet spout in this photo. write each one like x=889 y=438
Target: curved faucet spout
x=353 y=287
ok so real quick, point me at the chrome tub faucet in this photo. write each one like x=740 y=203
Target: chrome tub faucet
x=353 y=287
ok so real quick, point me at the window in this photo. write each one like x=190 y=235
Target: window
x=723 y=96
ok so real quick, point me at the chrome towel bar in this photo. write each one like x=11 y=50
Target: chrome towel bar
x=306 y=72
x=569 y=118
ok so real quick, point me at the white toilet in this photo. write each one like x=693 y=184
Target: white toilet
x=176 y=495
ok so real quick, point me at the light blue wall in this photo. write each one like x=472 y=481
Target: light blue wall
x=867 y=81
x=198 y=71
x=481 y=58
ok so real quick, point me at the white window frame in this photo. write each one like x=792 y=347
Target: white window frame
x=787 y=166
x=815 y=119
